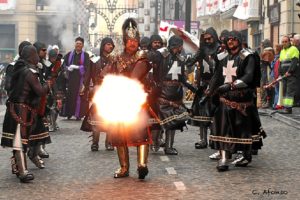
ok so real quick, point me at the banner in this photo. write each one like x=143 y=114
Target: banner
x=212 y=7
x=191 y=43
x=247 y=9
x=228 y=4
x=201 y=8
x=7 y=4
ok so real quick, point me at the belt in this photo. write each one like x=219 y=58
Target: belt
x=171 y=83
x=237 y=105
x=176 y=104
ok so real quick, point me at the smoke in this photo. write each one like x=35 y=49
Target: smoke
x=63 y=20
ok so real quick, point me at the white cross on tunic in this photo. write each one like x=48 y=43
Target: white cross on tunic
x=205 y=67
x=229 y=71
x=175 y=70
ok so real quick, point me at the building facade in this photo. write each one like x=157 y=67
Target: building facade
x=255 y=19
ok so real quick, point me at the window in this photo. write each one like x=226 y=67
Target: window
x=7 y=42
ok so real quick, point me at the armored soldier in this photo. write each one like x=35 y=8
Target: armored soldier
x=134 y=64
x=171 y=110
x=94 y=73
x=202 y=107
x=236 y=125
x=21 y=111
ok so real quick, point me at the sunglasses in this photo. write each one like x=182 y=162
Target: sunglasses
x=44 y=49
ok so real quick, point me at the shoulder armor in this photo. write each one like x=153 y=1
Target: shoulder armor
x=95 y=59
x=244 y=53
x=164 y=51
x=142 y=54
x=33 y=70
x=222 y=55
x=47 y=63
x=40 y=65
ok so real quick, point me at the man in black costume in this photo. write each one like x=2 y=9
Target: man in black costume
x=21 y=111
x=236 y=119
x=202 y=106
x=94 y=73
x=171 y=110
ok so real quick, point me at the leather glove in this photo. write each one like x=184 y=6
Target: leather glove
x=224 y=88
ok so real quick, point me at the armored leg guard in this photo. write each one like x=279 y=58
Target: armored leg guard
x=123 y=155
x=156 y=140
x=42 y=151
x=169 y=150
x=95 y=144
x=215 y=156
x=223 y=162
x=243 y=160
x=202 y=144
x=108 y=145
x=142 y=159
x=23 y=173
x=14 y=167
x=33 y=155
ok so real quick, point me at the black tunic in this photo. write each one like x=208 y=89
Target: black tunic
x=234 y=129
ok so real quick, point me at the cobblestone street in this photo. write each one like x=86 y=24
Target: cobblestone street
x=74 y=172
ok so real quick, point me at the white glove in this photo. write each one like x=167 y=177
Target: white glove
x=72 y=67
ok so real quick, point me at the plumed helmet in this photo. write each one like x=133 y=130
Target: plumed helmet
x=130 y=30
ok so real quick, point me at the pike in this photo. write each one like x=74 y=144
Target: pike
x=268 y=86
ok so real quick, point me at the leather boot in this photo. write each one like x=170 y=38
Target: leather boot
x=95 y=144
x=108 y=145
x=169 y=150
x=223 y=162
x=123 y=155
x=156 y=140
x=33 y=155
x=42 y=152
x=202 y=144
x=142 y=159
x=23 y=173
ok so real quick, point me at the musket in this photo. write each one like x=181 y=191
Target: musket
x=268 y=86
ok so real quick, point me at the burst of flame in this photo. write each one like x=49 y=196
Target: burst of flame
x=119 y=100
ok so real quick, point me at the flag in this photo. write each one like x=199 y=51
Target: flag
x=247 y=9
x=201 y=8
x=7 y=4
x=228 y=4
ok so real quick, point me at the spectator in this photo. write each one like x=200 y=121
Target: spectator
x=274 y=74
x=289 y=58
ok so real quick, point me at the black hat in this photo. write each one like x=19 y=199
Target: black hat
x=145 y=42
x=22 y=45
x=224 y=33
x=130 y=30
x=175 y=41
x=79 y=39
x=155 y=38
x=236 y=34
x=104 y=41
x=39 y=46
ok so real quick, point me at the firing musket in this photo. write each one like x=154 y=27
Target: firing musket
x=268 y=86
